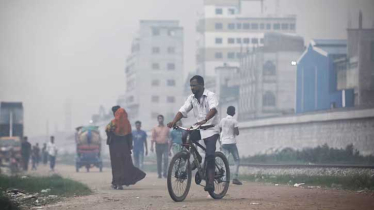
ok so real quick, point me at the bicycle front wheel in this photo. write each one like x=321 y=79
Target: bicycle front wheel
x=221 y=176
x=179 y=177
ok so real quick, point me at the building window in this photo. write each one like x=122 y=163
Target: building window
x=170 y=99
x=231 y=55
x=218 y=55
x=218 y=11
x=155 y=32
x=254 y=41
x=155 y=50
x=246 y=26
x=246 y=40
x=155 y=99
x=292 y=26
x=268 y=26
x=262 y=26
x=284 y=26
x=171 y=82
x=269 y=68
x=231 y=26
x=238 y=55
x=262 y=40
x=171 y=66
x=171 y=50
x=238 y=26
x=218 y=40
x=155 y=82
x=254 y=26
x=276 y=26
x=231 y=40
x=130 y=99
x=171 y=32
x=268 y=99
x=155 y=66
x=218 y=26
x=372 y=51
x=154 y=114
x=238 y=40
x=231 y=11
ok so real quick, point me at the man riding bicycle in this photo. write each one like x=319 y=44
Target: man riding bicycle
x=204 y=105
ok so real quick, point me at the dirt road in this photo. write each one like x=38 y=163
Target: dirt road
x=151 y=193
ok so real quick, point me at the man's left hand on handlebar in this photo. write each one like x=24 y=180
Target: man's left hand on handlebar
x=171 y=124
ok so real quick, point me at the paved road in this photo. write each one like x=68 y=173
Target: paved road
x=151 y=193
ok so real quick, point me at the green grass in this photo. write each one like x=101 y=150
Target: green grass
x=6 y=204
x=58 y=186
x=318 y=155
x=352 y=182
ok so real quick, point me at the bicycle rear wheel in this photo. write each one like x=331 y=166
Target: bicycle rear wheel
x=179 y=177
x=221 y=176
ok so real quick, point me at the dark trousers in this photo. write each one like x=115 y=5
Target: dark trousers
x=52 y=162
x=25 y=162
x=162 y=154
x=210 y=145
x=34 y=162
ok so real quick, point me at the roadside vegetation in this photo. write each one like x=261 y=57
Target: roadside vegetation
x=349 y=182
x=30 y=191
x=318 y=155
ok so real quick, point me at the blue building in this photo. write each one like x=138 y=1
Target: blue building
x=316 y=86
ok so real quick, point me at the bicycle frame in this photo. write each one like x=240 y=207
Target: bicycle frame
x=192 y=149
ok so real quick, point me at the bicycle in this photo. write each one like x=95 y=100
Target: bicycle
x=180 y=171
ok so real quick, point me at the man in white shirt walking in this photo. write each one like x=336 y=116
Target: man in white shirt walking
x=204 y=105
x=52 y=151
x=229 y=129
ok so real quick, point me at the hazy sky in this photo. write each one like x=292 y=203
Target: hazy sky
x=53 y=51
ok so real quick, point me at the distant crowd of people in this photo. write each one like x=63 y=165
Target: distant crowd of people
x=35 y=155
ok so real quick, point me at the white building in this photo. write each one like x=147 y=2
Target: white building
x=154 y=73
x=224 y=33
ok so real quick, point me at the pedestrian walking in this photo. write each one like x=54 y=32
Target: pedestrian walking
x=25 y=152
x=37 y=153
x=160 y=137
x=45 y=154
x=52 y=152
x=139 y=145
x=34 y=157
x=229 y=130
x=120 y=145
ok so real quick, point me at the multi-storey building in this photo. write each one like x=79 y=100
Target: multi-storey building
x=224 y=33
x=356 y=71
x=268 y=77
x=154 y=72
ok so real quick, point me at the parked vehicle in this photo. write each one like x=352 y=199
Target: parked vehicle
x=10 y=152
x=88 y=142
x=11 y=133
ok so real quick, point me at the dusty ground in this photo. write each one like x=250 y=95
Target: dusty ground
x=151 y=193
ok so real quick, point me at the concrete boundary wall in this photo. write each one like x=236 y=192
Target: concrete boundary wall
x=337 y=129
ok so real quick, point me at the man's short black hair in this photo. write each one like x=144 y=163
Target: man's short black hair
x=52 y=137
x=160 y=115
x=199 y=79
x=138 y=122
x=230 y=110
x=115 y=108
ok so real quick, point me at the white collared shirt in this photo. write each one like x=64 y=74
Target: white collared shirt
x=208 y=101
x=228 y=125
